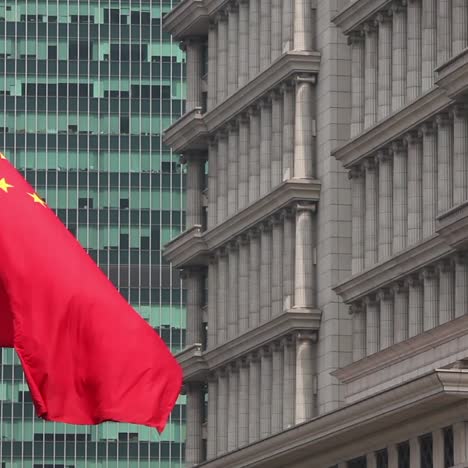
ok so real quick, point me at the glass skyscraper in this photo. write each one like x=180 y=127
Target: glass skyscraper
x=86 y=89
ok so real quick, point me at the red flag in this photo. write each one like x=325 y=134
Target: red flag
x=87 y=355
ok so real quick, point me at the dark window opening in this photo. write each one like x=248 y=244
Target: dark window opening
x=124 y=241
x=85 y=203
x=124 y=125
x=382 y=458
x=112 y=15
x=448 y=447
x=52 y=53
x=360 y=462
x=124 y=204
x=425 y=444
x=404 y=455
x=81 y=50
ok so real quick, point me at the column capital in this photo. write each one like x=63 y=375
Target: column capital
x=221 y=15
x=243 y=239
x=398 y=6
x=286 y=341
x=412 y=137
x=233 y=126
x=286 y=86
x=233 y=6
x=243 y=362
x=253 y=110
x=461 y=258
x=385 y=294
x=213 y=259
x=356 y=172
x=369 y=27
x=233 y=366
x=370 y=300
x=221 y=134
x=212 y=377
x=233 y=246
x=305 y=79
x=253 y=233
x=265 y=226
x=356 y=37
x=428 y=273
x=384 y=16
x=265 y=351
x=427 y=128
x=400 y=287
x=413 y=280
x=243 y=119
x=275 y=94
x=398 y=146
x=221 y=252
x=459 y=110
x=212 y=24
x=383 y=155
x=356 y=308
x=445 y=265
x=369 y=164
x=305 y=206
x=187 y=272
x=253 y=357
x=306 y=335
x=443 y=120
x=221 y=372
x=277 y=219
x=265 y=101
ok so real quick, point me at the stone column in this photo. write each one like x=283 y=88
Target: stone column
x=254 y=155
x=460 y=152
x=221 y=72
x=438 y=458
x=287 y=25
x=233 y=169
x=222 y=299
x=265 y=34
x=415 y=306
x=195 y=166
x=289 y=254
x=359 y=331
x=194 y=64
x=392 y=451
x=212 y=302
x=415 y=201
x=371 y=76
x=265 y=272
x=254 y=398
x=277 y=389
x=429 y=43
x=399 y=59
x=243 y=297
x=400 y=196
x=385 y=65
x=212 y=183
x=444 y=31
x=233 y=47
x=429 y=179
x=212 y=437
x=193 y=444
x=414 y=49
x=303 y=33
x=276 y=138
x=277 y=267
x=265 y=392
x=446 y=291
x=358 y=201
x=371 y=460
x=357 y=83
x=254 y=38
x=415 y=453
x=386 y=318
x=303 y=135
x=276 y=40
x=254 y=279
x=243 y=426
x=400 y=313
x=243 y=163
x=371 y=214
x=288 y=131
x=212 y=65
x=243 y=55
x=304 y=277
x=194 y=283
x=289 y=382
x=233 y=407
x=222 y=178
x=305 y=371
x=460 y=25
x=372 y=325
x=265 y=146
x=233 y=291
x=431 y=298
x=461 y=285
x=445 y=162
x=222 y=413
x=385 y=204
x=460 y=443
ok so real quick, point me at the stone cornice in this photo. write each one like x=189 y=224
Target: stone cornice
x=282 y=69
x=349 y=431
x=396 y=268
x=453 y=226
x=393 y=127
x=188 y=18
x=358 y=12
x=192 y=247
x=289 y=322
x=404 y=351
x=189 y=132
x=452 y=75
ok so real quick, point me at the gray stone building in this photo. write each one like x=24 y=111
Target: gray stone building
x=325 y=252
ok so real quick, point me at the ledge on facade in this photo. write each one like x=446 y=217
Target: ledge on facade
x=282 y=196
x=371 y=424
x=282 y=69
x=193 y=364
x=393 y=127
x=357 y=13
x=188 y=18
x=187 y=249
x=394 y=269
x=187 y=133
x=452 y=75
x=453 y=226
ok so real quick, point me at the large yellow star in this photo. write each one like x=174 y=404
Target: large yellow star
x=4 y=185
x=37 y=198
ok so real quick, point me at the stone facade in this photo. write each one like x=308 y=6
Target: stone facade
x=326 y=267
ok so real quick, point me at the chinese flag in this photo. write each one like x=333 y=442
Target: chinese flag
x=87 y=355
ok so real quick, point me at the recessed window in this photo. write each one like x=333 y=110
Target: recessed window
x=425 y=444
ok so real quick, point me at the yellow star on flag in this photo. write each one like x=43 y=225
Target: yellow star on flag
x=37 y=198
x=2 y=156
x=4 y=185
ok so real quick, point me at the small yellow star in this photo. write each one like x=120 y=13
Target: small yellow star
x=2 y=156
x=4 y=185
x=37 y=198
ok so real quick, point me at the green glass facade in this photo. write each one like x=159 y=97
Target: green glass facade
x=86 y=89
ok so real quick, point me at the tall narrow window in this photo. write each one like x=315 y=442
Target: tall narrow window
x=382 y=458
x=404 y=455
x=448 y=447
x=425 y=444
x=360 y=462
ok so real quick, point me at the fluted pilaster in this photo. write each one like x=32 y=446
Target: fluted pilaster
x=287 y=24
x=212 y=183
x=233 y=405
x=386 y=318
x=429 y=43
x=244 y=286
x=415 y=200
x=357 y=84
x=371 y=216
x=431 y=298
x=414 y=49
x=289 y=382
x=193 y=444
x=222 y=297
x=359 y=332
x=445 y=162
x=212 y=65
x=243 y=163
x=243 y=426
x=193 y=51
x=446 y=291
x=276 y=42
x=460 y=25
x=385 y=65
x=212 y=439
x=222 y=57
x=289 y=254
x=415 y=306
x=233 y=48
x=399 y=59
x=222 y=177
x=400 y=196
x=265 y=392
x=195 y=166
x=265 y=272
x=371 y=75
x=254 y=399
x=265 y=146
x=277 y=268
x=233 y=291
x=358 y=195
x=254 y=279
x=265 y=33
x=461 y=285
x=222 y=413
x=401 y=311
x=460 y=152
x=277 y=390
x=288 y=131
x=372 y=325
x=429 y=179
x=254 y=156
x=384 y=160
x=233 y=169
x=276 y=138
x=254 y=38
x=193 y=283
x=243 y=55
x=444 y=31
x=212 y=302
